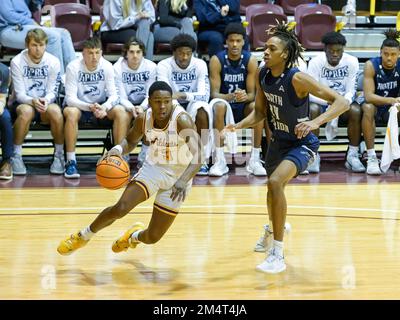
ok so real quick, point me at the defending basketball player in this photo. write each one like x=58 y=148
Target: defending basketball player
x=174 y=157
x=282 y=93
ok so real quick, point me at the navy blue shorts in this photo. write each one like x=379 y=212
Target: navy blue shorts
x=238 y=111
x=300 y=152
x=13 y=113
x=88 y=118
x=382 y=115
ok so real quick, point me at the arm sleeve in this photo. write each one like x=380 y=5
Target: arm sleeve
x=121 y=90
x=351 y=81
x=53 y=82
x=113 y=16
x=149 y=8
x=71 y=90
x=313 y=70
x=164 y=17
x=203 y=85
x=13 y=17
x=206 y=13
x=152 y=79
x=234 y=6
x=113 y=97
x=18 y=83
x=163 y=72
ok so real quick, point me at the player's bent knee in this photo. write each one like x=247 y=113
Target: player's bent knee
x=219 y=108
x=274 y=183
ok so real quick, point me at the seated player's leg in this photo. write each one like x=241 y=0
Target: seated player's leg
x=201 y=114
x=54 y=116
x=353 y=118
x=72 y=116
x=369 y=131
x=25 y=114
x=255 y=165
x=121 y=124
x=219 y=168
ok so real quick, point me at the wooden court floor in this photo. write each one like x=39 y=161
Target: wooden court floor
x=344 y=244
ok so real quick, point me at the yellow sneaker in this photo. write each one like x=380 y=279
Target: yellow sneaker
x=72 y=243
x=123 y=243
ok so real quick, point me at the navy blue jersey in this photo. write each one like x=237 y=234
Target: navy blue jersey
x=233 y=73
x=286 y=109
x=387 y=82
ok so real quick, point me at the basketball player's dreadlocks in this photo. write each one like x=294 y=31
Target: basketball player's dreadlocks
x=391 y=38
x=293 y=46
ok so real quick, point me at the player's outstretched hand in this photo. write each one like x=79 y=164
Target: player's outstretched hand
x=108 y=154
x=303 y=128
x=179 y=191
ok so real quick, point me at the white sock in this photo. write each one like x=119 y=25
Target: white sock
x=353 y=150
x=86 y=233
x=135 y=236
x=18 y=149
x=71 y=156
x=59 y=149
x=278 y=248
x=371 y=153
x=255 y=153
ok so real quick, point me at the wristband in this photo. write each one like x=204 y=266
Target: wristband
x=118 y=148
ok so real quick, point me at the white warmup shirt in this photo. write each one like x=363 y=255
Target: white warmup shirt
x=193 y=80
x=342 y=78
x=84 y=88
x=32 y=81
x=133 y=85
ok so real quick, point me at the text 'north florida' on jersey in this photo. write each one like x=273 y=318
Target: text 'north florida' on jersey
x=286 y=109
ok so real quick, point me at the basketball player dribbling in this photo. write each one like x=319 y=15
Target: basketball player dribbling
x=174 y=157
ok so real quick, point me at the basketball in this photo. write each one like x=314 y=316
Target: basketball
x=112 y=173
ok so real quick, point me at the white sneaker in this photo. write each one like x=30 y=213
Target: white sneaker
x=18 y=165
x=314 y=166
x=255 y=167
x=272 y=264
x=264 y=243
x=219 y=168
x=373 y=166
x=353 y=163
x=304 y=173
x=58 y=165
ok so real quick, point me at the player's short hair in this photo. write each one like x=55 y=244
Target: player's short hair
x=235 y=28
x=333 y=38
x=159 y=86
x=391 y=38
x=133 y=42
x=183 y=40
x=92 y=43
x=36 y=34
